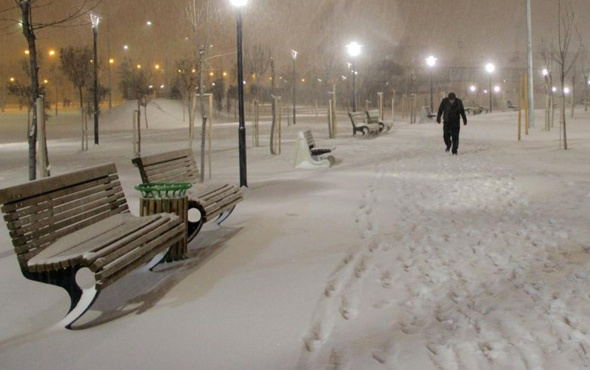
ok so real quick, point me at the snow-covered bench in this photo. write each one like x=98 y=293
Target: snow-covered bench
x=304 y=157
x=62 y=224
x=315 y=151
x=360 y=124
x=373 y=116
x=210 y=202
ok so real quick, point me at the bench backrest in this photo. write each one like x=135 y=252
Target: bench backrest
x=309 y=139
x=373 y=115
x=175 y=166
x=39 y=212
x=358 y=118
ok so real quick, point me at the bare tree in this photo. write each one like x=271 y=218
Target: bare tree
x=76 y=64
x=200 y=17
x=30 y=28
x=546 y=55
x=258 y=62
x=135 y=85
x=186 y=81
x=563 y=57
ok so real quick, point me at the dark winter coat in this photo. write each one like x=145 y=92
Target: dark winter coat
x=451 y=113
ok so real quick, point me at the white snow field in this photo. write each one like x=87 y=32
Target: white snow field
x=400 y=256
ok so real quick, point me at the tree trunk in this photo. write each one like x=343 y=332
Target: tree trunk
x=203 y=115
x=29 y=34
x=138 y=126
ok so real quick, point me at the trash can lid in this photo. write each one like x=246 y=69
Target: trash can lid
x=163 y=189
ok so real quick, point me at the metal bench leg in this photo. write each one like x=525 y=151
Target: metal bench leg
x=80 y=300
x=88 y=298
x=224 y=215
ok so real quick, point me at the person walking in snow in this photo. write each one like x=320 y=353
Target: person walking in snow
x=451 y=110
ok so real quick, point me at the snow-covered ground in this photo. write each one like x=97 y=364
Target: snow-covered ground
x=399 y=257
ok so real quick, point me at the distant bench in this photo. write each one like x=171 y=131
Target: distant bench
x=360 y=124
x=210 y=201
x=373 y=116
x=62 y=224
x=315 y=151
x=307 y=155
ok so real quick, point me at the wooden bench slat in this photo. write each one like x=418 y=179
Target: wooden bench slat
x=46 y=215
x=70 y=217
x=110 y=253
x=105 y=282
x=38 y=187
x=137 y=253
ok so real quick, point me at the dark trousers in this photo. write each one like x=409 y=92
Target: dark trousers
x=451 y=135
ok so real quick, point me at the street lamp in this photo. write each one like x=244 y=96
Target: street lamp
x=95 y=19
x=431 y=62
x=354 y=50
x=238 y=4
x=294 y=56
x=490 y=68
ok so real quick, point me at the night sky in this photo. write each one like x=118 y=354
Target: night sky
x=459 y=32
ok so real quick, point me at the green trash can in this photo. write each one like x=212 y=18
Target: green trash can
x=166 y=197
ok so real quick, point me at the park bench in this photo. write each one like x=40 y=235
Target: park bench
x=510 y=105
x=62 y=224
x=373 y=116
x=209 y=202
x=475 y=110
x=360 y=124
x=315 y=151
x=305 y=158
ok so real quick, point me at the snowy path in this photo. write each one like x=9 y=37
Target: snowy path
x=454 y=268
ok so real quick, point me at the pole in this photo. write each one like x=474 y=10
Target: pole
x=3 y=75
x=353 y=86
x=531 y=81
x=242 y=124
x=202 y=108
x=431 y=93
x=95 y=33
x=490 y=91
x=294 y=95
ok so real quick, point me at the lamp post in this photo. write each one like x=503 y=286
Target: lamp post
x=354 y=50
x=242 y=126
x=294 y=56
x=490 y=68
x=431 y=62
x=95 y=19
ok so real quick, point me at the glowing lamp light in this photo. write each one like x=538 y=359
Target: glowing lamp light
x=26 y=52
x=51 y=53
x=431 y=61
x=125 y=47
x=566 y=90
x=211 y=74
x=45 y=82
x=497 y=89
x=139 y=66
x=238 y=3
x=157 y=67
x=354 y=49
x=111 y=61
x=12 y=79
x=485 y=91
x=149 y=23
x=490 y=68
x=224 y=74
x=162 y=86
x=545 y=72
x=554 y=89
x=95 y=20
x=473 y=88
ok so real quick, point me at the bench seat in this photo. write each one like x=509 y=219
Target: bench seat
x=360 y=124
x=212 y=201
x=62 y=224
